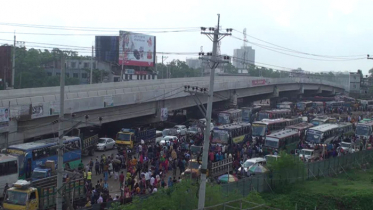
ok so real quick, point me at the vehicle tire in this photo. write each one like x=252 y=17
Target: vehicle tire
x=91 y=152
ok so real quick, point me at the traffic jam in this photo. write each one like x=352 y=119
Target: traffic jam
x=242 y=140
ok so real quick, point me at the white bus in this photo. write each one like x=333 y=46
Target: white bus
x=8 y=171
x=364 y=129
x=324 y=133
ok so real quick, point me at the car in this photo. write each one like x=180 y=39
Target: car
x=158 y=136
x=193 y=130
x=169 y=132
x=250 y=163
x=105 y=143
x=167 y=140
x=181 y=129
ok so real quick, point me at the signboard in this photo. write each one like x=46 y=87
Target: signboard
x=141 y=72
x=238 y=139
x=164 y=114
x=108 y=101
x=258 y=82
x=136 y=49
x=37 y=111
x=4 y=115
x=129 y=71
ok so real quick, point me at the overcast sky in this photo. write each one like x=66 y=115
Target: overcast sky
x=323 y=27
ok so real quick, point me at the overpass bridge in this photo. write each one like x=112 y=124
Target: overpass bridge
x=34 y=110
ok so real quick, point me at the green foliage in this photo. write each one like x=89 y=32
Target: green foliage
x=97 y=74
x=29 y=70
x=183 y=196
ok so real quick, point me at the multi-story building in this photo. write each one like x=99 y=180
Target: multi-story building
x=356 y=79
x=243 y=57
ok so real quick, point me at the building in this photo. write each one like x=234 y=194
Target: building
x=356 y=79
x=243 y=56
x=194 y=63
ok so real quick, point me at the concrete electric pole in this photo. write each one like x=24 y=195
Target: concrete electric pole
x=60 y=168
x=214 y=60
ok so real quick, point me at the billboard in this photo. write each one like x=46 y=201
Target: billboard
x=107 y=48
x=136 y=49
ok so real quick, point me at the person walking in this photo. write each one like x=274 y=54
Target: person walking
x=97 y=167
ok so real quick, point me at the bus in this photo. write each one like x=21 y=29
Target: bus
x=285 y=139
x=267 y=126
x=318 y=104
x=249 y=113
x=285 y=105
x=345 y=127
x=33 y=154
x=274 y=114
x=364 y=129
x=304 y=105
x=324 y=133
x=8 y=171
x=319 y=120
x=231 y=134
x=301 y=128
x=229 y=116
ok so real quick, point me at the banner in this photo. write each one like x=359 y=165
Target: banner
x=164 y=114
x=238 y=139
x=37 y=111
x=4 y=115
x=108 y=101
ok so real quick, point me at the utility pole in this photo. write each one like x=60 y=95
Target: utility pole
x=215 y=60
x=60 y=169
x=14 y=60
x=90 y=77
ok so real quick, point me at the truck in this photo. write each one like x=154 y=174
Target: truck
x=129 y=138
x=89 y=137
x=41 y=194
x=214 y=169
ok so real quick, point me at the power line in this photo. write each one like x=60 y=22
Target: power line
x=329 y=56
x=271 y=49
x=83 y=28
x=137 y=32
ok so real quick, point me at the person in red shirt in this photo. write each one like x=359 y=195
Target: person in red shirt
x=121 y=179
x=211 y=156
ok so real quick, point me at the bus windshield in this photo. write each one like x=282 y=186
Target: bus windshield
x=313 y=138
x=362 y=130
x=223 y=119
x=220 y=136
x=17 y=198
x=263 y=115
x=246 y=114
x=259 y=129
x=124 y=136
x=271 y=142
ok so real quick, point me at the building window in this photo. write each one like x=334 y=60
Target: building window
x=84 y=75
x=94 y=65
x=67 y=75
x=73 y=64
x=49 y=74
x=86 y=65
x=75 y=75
x=58 y=74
